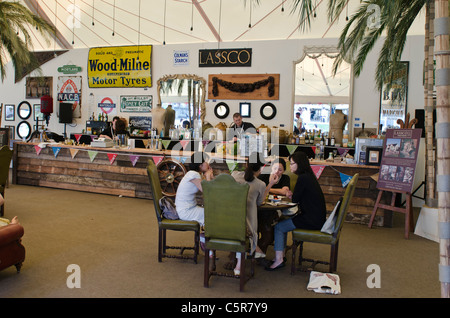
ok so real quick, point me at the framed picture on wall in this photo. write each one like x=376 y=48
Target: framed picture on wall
x=37 y=115
x=11 y=131
x=394 y=97
x=9 y=112
x=244 y=109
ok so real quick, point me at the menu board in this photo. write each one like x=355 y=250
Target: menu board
x=398 y=164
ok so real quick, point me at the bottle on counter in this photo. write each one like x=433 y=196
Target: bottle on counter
x=333 y=140
x=322 y=141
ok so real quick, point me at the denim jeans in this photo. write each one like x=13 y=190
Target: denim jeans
x=280 y=233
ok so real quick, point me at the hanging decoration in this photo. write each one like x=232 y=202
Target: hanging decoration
x=244 y=87
x=345 y=179
x=134 y=159
x=92 y=154
x=291 y=148
x=56 y=151
x=112 y=157
x=73 y=152
x=232 y=165
x=318 y=170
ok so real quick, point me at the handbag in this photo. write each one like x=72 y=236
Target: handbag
x=168 y=208
x=330 y=223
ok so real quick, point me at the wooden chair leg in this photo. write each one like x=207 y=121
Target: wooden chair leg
x=160 y=242
x=242 y=275
x=294 y=250
x=206 y=269
x=334 y=257
x=196 y=245
x=18 y=267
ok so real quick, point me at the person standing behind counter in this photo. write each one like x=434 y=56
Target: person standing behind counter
x=185 y=201
x=239 y=127
x=117 y=127
x=311 y=203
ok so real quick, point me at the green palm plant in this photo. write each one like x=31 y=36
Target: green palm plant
x=15 y=39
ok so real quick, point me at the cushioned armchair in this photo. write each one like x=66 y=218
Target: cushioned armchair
x=166 y=224
x=225 y=202
x=316 y=236
x=12 y=252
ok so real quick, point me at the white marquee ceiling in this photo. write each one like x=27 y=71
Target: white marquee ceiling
x=93 y=23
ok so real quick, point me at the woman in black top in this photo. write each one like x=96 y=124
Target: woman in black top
x=282 y=187
x=311 y=204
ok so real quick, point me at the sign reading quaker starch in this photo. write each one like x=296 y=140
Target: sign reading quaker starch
x=120 y=66
x=225 y=57
x=398 y=162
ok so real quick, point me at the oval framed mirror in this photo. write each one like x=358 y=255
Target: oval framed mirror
x=23 y=130
x=221 y=110
x=268 y=111
x=24 y=110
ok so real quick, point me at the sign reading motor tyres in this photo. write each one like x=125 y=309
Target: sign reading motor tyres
x=120 y=66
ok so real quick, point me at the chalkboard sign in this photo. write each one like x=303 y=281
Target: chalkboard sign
x=140 y=122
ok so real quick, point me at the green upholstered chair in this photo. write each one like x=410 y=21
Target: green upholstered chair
x=5 y=161
x=166 y=224
x=316 y=236
x=292 y=176
x=225 y=202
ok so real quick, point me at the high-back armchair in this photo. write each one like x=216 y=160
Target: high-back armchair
x=166 y=224
x=225 y=202
x=5 y=160
x=12 y=252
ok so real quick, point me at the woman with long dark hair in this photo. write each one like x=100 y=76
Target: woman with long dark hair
x=311 y=204
x=256 y=194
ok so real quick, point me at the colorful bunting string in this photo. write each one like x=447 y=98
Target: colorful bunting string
x=112 y=157
x=318 y=170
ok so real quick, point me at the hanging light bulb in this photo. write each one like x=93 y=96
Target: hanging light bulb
x=164 y=40
x=93 y=11
x=282 y=5
x=192 y=16
x=114 y=17
x=250 y=23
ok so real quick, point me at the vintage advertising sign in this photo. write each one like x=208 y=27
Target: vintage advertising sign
x=108 y=105
x=398 y=163
x=225 y=57
x=136 y=104
x=120 y=66
x=140 y=122
x=69 y=69
x=180 y=58
x=69 y=91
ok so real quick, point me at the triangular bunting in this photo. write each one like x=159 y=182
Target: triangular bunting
x=165 y=143
x=176 y=158
x=205 y=143
x=38 y=150
x=92 y=154
x=317 y=170
x=313 y=149
x=291 y=148
x=134 y=159
x=345 y=179
x=184 y=143
x=93 y=137
x=375 y=176
x=56 y=151
x=183 y=159
x=77 y=137
x=231 y=165
x=73 y=152
x=112 y=157
x=157 y=159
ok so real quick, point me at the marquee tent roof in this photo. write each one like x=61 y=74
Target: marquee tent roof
x=94 y=23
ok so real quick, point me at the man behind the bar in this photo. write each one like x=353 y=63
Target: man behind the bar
x=239 y=127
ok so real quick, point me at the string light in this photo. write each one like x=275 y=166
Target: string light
x=250 y=22
x=192 y=16
x=164 y=40
x=93 y=11
x=114 y=17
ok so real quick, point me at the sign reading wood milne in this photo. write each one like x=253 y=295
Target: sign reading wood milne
x=120 y=66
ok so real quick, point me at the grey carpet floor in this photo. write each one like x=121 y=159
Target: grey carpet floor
x=113 y=240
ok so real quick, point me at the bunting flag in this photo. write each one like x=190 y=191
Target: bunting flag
x=345 y=179
x=145 y=141
x=93 y=137
x=73 y=152
x=38 y=149
x=232 y=165
x=134 y=159
x=291 y=148
x=112 y=157
x=92 y=154
x=313 y=149
x=165 y=144
x=56 y=151
x=77 y=137
x=318 y=170
x=205 y=143
x=184 y=143
x=375 y=176
x=157 y=159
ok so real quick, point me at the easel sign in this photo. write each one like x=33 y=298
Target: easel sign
x=398 y=163
x=397 y=169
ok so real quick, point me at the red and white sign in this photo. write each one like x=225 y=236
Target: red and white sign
x=107 y=105
x=69 y=91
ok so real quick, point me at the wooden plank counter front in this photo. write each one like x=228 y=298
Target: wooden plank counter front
x=79 y=173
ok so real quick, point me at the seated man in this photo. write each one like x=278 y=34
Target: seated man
x=239 y=127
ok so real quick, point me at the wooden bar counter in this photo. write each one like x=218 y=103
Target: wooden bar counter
x=80 y=172
x=97 y=175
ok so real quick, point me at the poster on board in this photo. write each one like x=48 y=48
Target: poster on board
x=398 y=163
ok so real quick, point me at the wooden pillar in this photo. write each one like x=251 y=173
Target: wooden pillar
x=442 y=53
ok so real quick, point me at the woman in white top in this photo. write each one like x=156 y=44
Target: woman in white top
x=257 y=192
x=185 y=201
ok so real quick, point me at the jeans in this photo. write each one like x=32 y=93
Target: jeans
x=280 y=233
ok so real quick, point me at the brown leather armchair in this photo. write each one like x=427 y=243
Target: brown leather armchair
x=12 y=252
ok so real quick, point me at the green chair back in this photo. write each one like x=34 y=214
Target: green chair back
x=155 y=186
x=5 y=161
x=345 y=204
x=292 y=176
x=225 y=202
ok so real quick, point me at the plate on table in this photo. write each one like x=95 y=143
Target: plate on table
x=276 y=198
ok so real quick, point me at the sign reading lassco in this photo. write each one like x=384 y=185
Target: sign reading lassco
x=120 y=66
x=225 y=57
